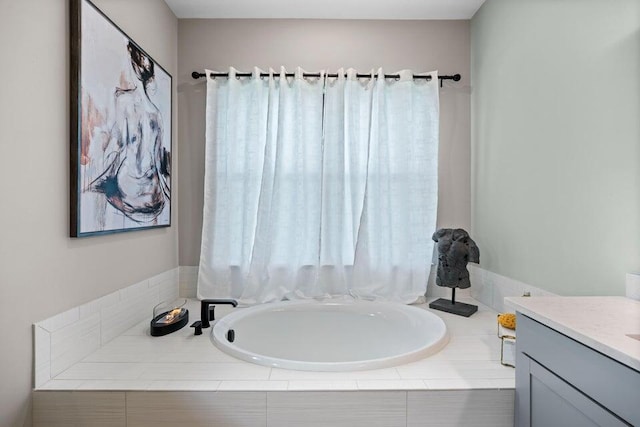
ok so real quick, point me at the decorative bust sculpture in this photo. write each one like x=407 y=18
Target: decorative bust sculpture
x=455 y=250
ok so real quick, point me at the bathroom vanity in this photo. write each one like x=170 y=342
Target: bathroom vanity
x=577 y=362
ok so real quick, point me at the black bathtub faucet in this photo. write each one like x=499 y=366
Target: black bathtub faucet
x=207 y=309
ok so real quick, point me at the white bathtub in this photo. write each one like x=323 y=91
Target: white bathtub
x=332 y=335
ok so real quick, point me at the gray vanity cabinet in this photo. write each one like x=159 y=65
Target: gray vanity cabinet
x=561 y=382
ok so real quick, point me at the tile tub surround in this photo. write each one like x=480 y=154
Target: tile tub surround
x=66 y=338
x=478 y=408
x=632 y=286
x=184 y=362
x=491 y=289
x=486 y=287
x=188 y=281
x=601 y=323
x=139 y=380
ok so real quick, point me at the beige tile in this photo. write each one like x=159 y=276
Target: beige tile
x=198 y=356
x=123 y=385
x=140 y=329
x=501 y=372
x=391 y=385
x=72 y=408
x=61 y=385
x=41 y=356
x=73 y=342
x=336 y=409
x=506 y=287
x=253 y=385
x=503 y=383
x=168 y=291
x=205 y=371
x=432 y=372
x=463 y=369
x=103 y=371
x=167 y=284
x=319 y=385
x=490 y=288
x=136 y=306
x=188 y=281
x=94 y=307
x=137 y=349
x=220 y=409
x=470 y=347
x=188 y=290
x=194 y=349
x=458 y=384
x=188 y=271
x=182 y=385
x=169 y=276
x=134 y=291
x=478 y=408
x=481 y=289
x=181 y=360
x=378 y=374
x=61 y=320
x=483 y=322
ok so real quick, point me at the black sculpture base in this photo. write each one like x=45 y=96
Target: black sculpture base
x=459 y=308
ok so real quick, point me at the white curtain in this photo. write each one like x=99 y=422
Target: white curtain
x=319 y=187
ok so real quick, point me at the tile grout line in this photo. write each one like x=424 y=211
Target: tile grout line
x=50 y=358
x=406 y=408
x=266 y=408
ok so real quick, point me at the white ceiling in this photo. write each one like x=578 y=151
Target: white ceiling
x=326 y=9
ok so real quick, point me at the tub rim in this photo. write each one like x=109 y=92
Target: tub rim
x=219 y=331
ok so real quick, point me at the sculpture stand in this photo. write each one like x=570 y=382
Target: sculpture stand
x=459 y=308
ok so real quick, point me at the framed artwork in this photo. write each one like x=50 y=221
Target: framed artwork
x=121 y=114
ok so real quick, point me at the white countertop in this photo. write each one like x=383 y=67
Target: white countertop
x=601 y=323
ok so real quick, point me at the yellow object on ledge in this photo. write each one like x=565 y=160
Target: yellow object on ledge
x=507 y=335
x=507 y=320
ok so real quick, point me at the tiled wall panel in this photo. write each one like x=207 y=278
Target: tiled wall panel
x=337 y=409
x=72 y=408
x=220 y=409
x=478 y=408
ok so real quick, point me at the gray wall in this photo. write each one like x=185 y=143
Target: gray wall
x=315 y=45
x=556 y=142
x=42 y=270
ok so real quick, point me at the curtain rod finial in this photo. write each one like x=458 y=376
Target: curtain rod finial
x=197 y=75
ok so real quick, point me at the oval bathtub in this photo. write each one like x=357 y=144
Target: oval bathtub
x=331 y=335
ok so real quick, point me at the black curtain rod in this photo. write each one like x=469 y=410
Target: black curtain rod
x=455 y=77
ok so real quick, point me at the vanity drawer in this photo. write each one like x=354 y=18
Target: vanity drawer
x=611 y=384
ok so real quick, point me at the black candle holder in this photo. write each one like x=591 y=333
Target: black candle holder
x=168 y=321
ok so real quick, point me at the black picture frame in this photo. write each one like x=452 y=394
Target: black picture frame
x=121 y=110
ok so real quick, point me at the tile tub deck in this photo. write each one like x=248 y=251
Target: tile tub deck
x=139 y=380
x=182 y=361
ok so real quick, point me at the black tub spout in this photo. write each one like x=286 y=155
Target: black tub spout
x=207 y=309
